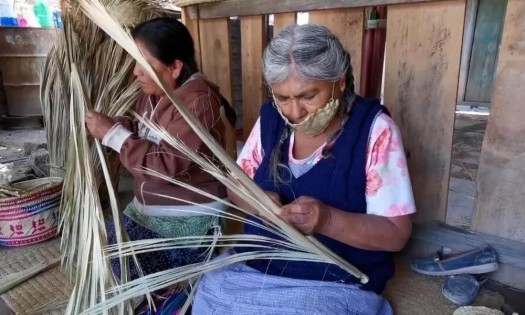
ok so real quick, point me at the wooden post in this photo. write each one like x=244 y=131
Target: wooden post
x=254 y=92
x=193 y=27
x=347 y=24
x=282 y=20
x=216 y=53
x=423 y=50
x=501 y=199
x=215 y=42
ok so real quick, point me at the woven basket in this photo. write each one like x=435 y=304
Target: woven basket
x=32 y=217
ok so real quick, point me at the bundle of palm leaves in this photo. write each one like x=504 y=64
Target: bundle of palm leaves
x=105 y=70
x=97 y=31
x=294 y=246
x=87 y=70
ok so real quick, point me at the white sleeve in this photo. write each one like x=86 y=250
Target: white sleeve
x=116 y=136
x=388 y=187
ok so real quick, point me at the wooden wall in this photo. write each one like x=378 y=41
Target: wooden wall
x=422 y=67
x=501 y=197
x=253 y=41
x=423 y=53
x=423 y=50
x=347 y=24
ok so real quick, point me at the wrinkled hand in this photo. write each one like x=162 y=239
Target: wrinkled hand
x=307 y=214
x=98 y=124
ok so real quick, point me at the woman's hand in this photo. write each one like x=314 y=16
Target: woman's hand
x=307 y=214
x=98 y=124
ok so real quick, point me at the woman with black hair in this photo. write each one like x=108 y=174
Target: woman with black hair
x=168 y=46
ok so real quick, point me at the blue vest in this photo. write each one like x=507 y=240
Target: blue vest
x=338 y=181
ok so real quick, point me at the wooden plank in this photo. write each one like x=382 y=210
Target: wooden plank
x=229 y=8
x=500 y=204
x=423 y=49
x=347 y=25
x=193 y=28
x=216 y=61
x=254 y=92
x=487 y=37
x=216 y=53
x=282 y=20
x=468 y=38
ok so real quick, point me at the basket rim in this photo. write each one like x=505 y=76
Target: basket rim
x=54 y=181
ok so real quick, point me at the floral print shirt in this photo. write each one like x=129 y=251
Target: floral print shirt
x=388 y=187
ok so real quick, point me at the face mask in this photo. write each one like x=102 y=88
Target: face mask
x=315 y=123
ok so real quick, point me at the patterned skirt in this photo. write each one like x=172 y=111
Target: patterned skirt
x=162 y=228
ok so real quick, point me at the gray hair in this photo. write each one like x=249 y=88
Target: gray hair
x=310 y=51
x=313 y=53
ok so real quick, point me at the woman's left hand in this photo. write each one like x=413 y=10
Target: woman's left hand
x=307 y=214
x=98 y=124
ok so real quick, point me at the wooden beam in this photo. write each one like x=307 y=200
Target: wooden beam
x=229 y=8
x=423 y=49
x=501 y=200
x=347 y=25
x=468 y=39
x=193 y=27
x=282 y=20
x=254 y=92
x=216 y=54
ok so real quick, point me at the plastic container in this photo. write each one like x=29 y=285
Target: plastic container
x=43 y=14
x=8 y=21
x=57 y=19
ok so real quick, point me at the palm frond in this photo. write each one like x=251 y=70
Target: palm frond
x=177 y=275
x=82 y=222
x=237 y=181
x=302 y=248
x=87 y=69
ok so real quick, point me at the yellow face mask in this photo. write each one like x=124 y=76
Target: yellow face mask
x=315 y=123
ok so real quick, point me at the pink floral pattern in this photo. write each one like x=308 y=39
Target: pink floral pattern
x=373 y=183
x=388 y=187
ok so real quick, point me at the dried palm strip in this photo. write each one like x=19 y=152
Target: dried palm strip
x=177 y=275
x=232 y=179
x=105 y=69
x=82 y=220
x=96 y=11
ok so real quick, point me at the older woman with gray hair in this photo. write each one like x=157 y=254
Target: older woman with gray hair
x=336 y=164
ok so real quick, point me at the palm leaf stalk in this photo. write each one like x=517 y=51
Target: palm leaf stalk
x=234 y=178
x=87 y=66
x=86 y=237
x=97 y=12
x=237 y=181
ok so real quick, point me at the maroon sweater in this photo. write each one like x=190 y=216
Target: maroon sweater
x=141 y=148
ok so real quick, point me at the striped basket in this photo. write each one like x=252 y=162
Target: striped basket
x=32 y=217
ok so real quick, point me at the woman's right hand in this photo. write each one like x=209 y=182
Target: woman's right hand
x=98 y=124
